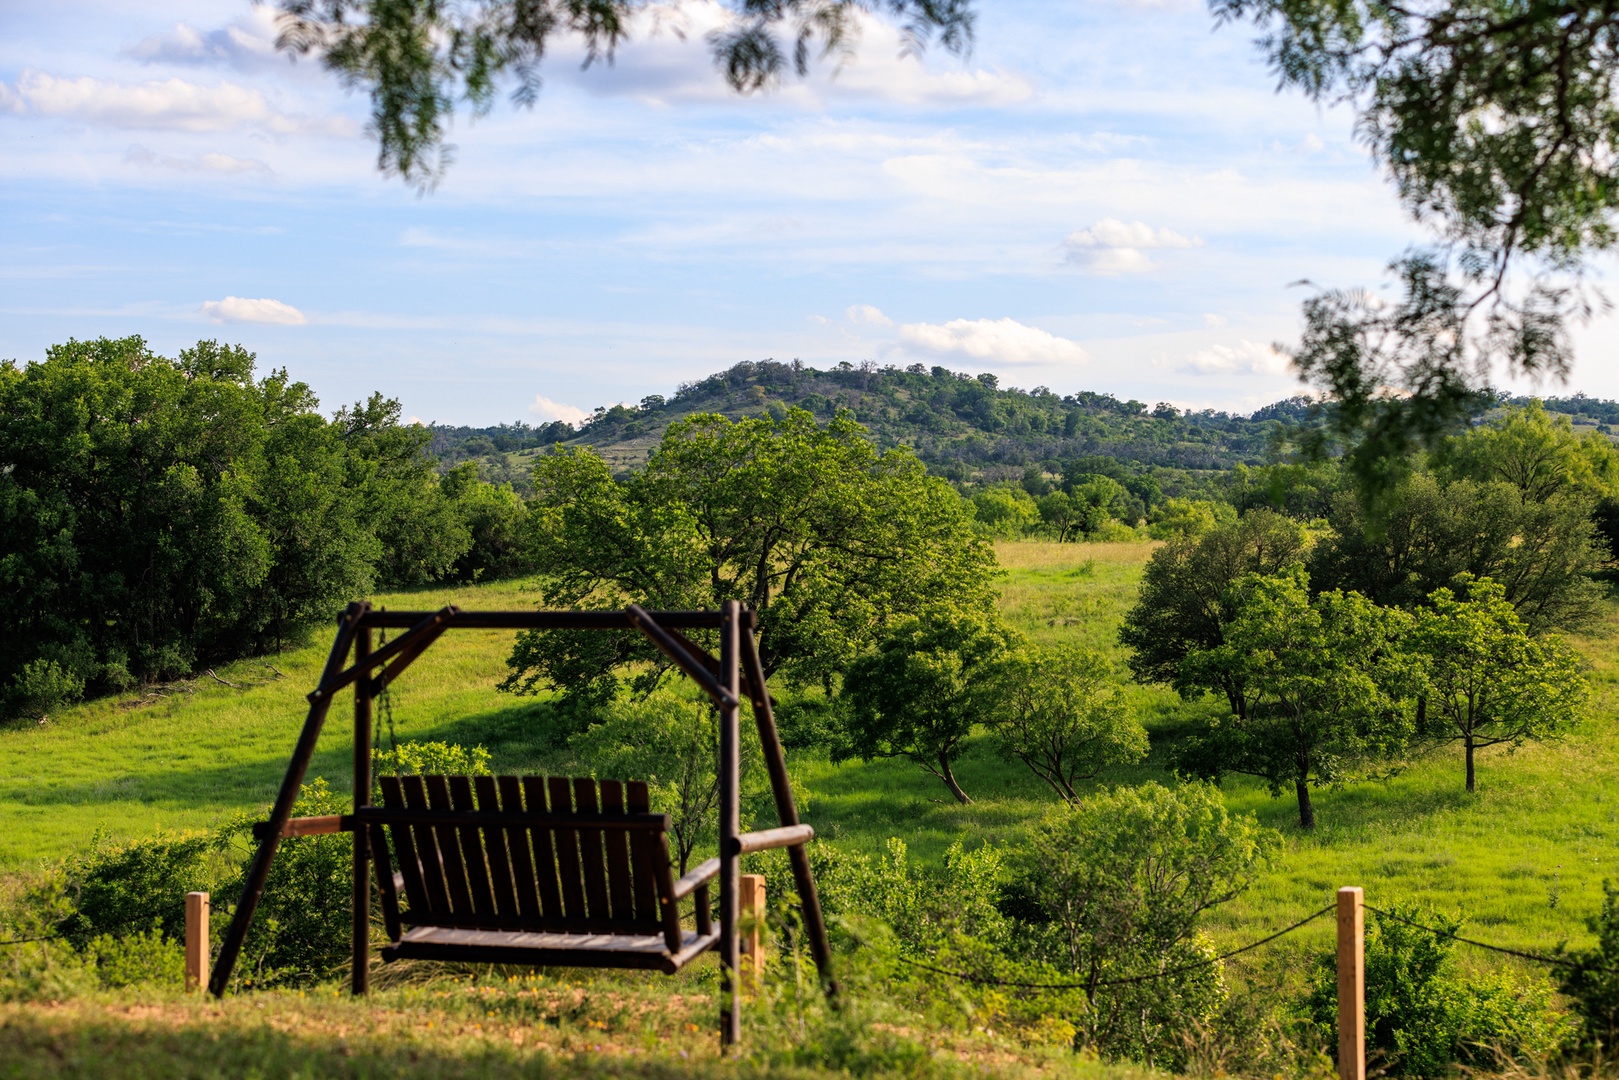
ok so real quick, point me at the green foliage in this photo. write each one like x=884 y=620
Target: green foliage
x=42 y=686
x=1591 y=979
x=1486 y=681
x=824 y=538
x=1429 y=533
x=926 y=909
x=1117 y=885
x=1004 y=510
x=672 y=742
x=418 y=62
x=496 y=521
x=418 y=528
x=1059 y=711
x=133 y=887
x=1323 y=686
x=301 y=930
x=924 y=688
x=430 y=758
x=1184 y=518
x=1185 y=600
x=1423 y=1017
x=1534 y=451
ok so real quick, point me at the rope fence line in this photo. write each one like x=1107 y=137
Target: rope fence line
x=986 y=980
x=148 y=916
x=1553 y=961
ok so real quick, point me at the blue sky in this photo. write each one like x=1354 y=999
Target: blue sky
x=1106 y=195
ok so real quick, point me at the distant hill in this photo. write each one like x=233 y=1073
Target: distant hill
x=962 y=426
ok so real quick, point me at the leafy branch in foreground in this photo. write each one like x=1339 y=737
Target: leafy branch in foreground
x=419 y=58
x=1496 y=122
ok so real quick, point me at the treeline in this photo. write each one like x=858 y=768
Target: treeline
x=159 y=514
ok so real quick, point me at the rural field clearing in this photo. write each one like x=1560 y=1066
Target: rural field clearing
x=1523 y=859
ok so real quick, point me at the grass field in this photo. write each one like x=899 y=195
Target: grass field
x=1524 y=858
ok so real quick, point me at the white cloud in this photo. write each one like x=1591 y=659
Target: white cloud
x=1111 y=246
x=546 y=409
x=247 y=41
x=170 y=104
x=214 y=163
x=865 y=314
x=241 y=309
x=1004 y=341
x=1213 y=321
x=1244 y=358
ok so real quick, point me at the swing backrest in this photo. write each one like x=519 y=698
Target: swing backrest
x=528 y=853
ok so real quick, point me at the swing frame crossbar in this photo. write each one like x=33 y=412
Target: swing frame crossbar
x=724 y=679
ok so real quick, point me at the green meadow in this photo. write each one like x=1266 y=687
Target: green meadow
x=1523 y=859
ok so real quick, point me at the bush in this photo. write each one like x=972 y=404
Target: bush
x=136 y=887
x=1592 y=980
x=429 y=759
x=1114 y=888
x=41 y=687
x=1422 y=1018
x=300 y=931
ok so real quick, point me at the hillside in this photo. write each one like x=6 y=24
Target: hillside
x=962 y=426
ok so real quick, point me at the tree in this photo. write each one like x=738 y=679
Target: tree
x=417 y=60
x=1325 y=684
x=1488 y=682
x=827 y=540
x=1184 y=602
x=1121 y=881
x=420 y=533
x=1431 y=533
x=920 y=693
x=1493 y=120
x=1058 y=711
x=1535 y=452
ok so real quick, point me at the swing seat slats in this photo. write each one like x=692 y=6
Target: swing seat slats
x=550 y=950
x=548 y=871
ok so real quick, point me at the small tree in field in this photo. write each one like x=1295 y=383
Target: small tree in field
x=1058 y=711
x=923 y=690
x=1488 y=681
x=1121 y=881
x=1326 y=684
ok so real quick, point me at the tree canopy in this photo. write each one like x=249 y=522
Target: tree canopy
x=826 y=539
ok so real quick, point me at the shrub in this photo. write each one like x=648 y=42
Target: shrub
x=430 y=758
x=135 y=887
x=1114 y=889
x=1422 y=1018
x=1592 y=980
x=300 y=931
x=41 y=687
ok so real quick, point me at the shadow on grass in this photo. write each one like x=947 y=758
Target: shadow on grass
x=38 y=1045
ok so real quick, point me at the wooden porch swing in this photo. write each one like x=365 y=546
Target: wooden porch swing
x=552 y=872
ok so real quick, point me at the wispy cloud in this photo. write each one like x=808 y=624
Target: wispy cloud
x=248 y=41
x=546 y=409
x=214 y=163
x=239 y=309
x=867 y=315
x=1111 y=246
x=172 y=104
x=1003 y=341
x=1244 y=358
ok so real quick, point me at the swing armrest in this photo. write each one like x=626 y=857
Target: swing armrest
x=697 y=877
x=308 y=826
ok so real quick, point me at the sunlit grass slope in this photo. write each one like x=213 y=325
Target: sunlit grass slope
x=1524 y=858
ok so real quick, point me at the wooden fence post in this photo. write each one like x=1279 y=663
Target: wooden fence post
x=1351 y=984
x=196 y=940
x=753 y=914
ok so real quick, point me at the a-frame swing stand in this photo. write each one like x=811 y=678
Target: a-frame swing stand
x=536 y=871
